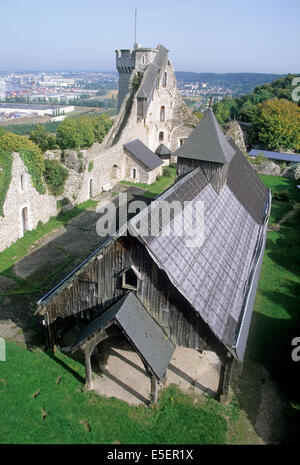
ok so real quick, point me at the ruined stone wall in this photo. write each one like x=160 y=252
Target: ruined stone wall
x=20 y=195
x=110 y=162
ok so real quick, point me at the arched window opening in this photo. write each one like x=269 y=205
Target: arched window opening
x=24 y=220
x=161 y=136
x=165 y=80
x=22 y=182
x=162 y=113
x=91 y=188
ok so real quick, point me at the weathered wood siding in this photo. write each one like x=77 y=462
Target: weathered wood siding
x=216 y=173
x=99 y=285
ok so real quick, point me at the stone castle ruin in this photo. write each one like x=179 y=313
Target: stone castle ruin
x=152 y=122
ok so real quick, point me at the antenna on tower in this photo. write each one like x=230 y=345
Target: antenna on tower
x=135 y=15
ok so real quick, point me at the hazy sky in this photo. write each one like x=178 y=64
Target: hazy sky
x=203 y=36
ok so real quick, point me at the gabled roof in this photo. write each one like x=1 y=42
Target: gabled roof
x=207 y=142
x=143 y=154
x=162 y=150
x=212 y=275
x=139 y=327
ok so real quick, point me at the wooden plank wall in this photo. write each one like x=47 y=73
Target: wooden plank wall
x=100 y=285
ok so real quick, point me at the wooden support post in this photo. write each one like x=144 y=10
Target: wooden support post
x=224 y=379
x=102 y=356
x=153 y=390
x=50 y=333
x=88 y=369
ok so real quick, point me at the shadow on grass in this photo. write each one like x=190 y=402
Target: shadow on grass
x=65 y=366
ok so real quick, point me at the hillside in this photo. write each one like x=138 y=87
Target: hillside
x=243 y=108
x=273 y=118
x=238 y=83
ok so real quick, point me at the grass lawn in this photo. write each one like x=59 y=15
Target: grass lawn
x=278 y=184
x=276 y=319
x=43 y=399
x=44 y=402
x=153 y=190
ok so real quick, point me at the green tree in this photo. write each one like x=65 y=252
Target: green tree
x=42 y=138
x=68 y=136
x=85 y=131
x=276 y=124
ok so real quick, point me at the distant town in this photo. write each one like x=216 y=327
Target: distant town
x=54 y=94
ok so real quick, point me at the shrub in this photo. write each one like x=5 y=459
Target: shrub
x=5 y=176
x=30 y=154
x=55 y=176
x=91 y=166
x=282 y=196
x=173 y=165
x=167 y=172
x=61 y=203
x=35 y=166
x=258 y=159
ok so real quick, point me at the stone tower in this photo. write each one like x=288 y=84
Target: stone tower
x=129 y=62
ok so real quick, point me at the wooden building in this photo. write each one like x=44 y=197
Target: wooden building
x=160 y=285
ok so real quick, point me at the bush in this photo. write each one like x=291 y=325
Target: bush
x=61 y=203
x=282 y=196
x=5 y=176
x=91 y=166
x=260 y=158
x=42 y=138
x=30 y=154
x=55 y=176
x=167 y=172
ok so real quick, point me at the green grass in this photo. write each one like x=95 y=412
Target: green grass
x=278 y=184
x=156 y=188
x=176 y=420
x=21 y=247
x=277 y=307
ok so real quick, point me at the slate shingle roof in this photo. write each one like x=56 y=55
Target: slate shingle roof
x=143 y=154
x=207 y=142
x=151 y=74
x=246 y=185
x=143 y=332
x=211 y=276
x=162 y=150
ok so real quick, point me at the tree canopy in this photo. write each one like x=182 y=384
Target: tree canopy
x=82 y=131
x=276 y=124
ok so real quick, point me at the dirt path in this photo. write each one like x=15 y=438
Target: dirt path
x=125 y=377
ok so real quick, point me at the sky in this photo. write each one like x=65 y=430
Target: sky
x=202 y=36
